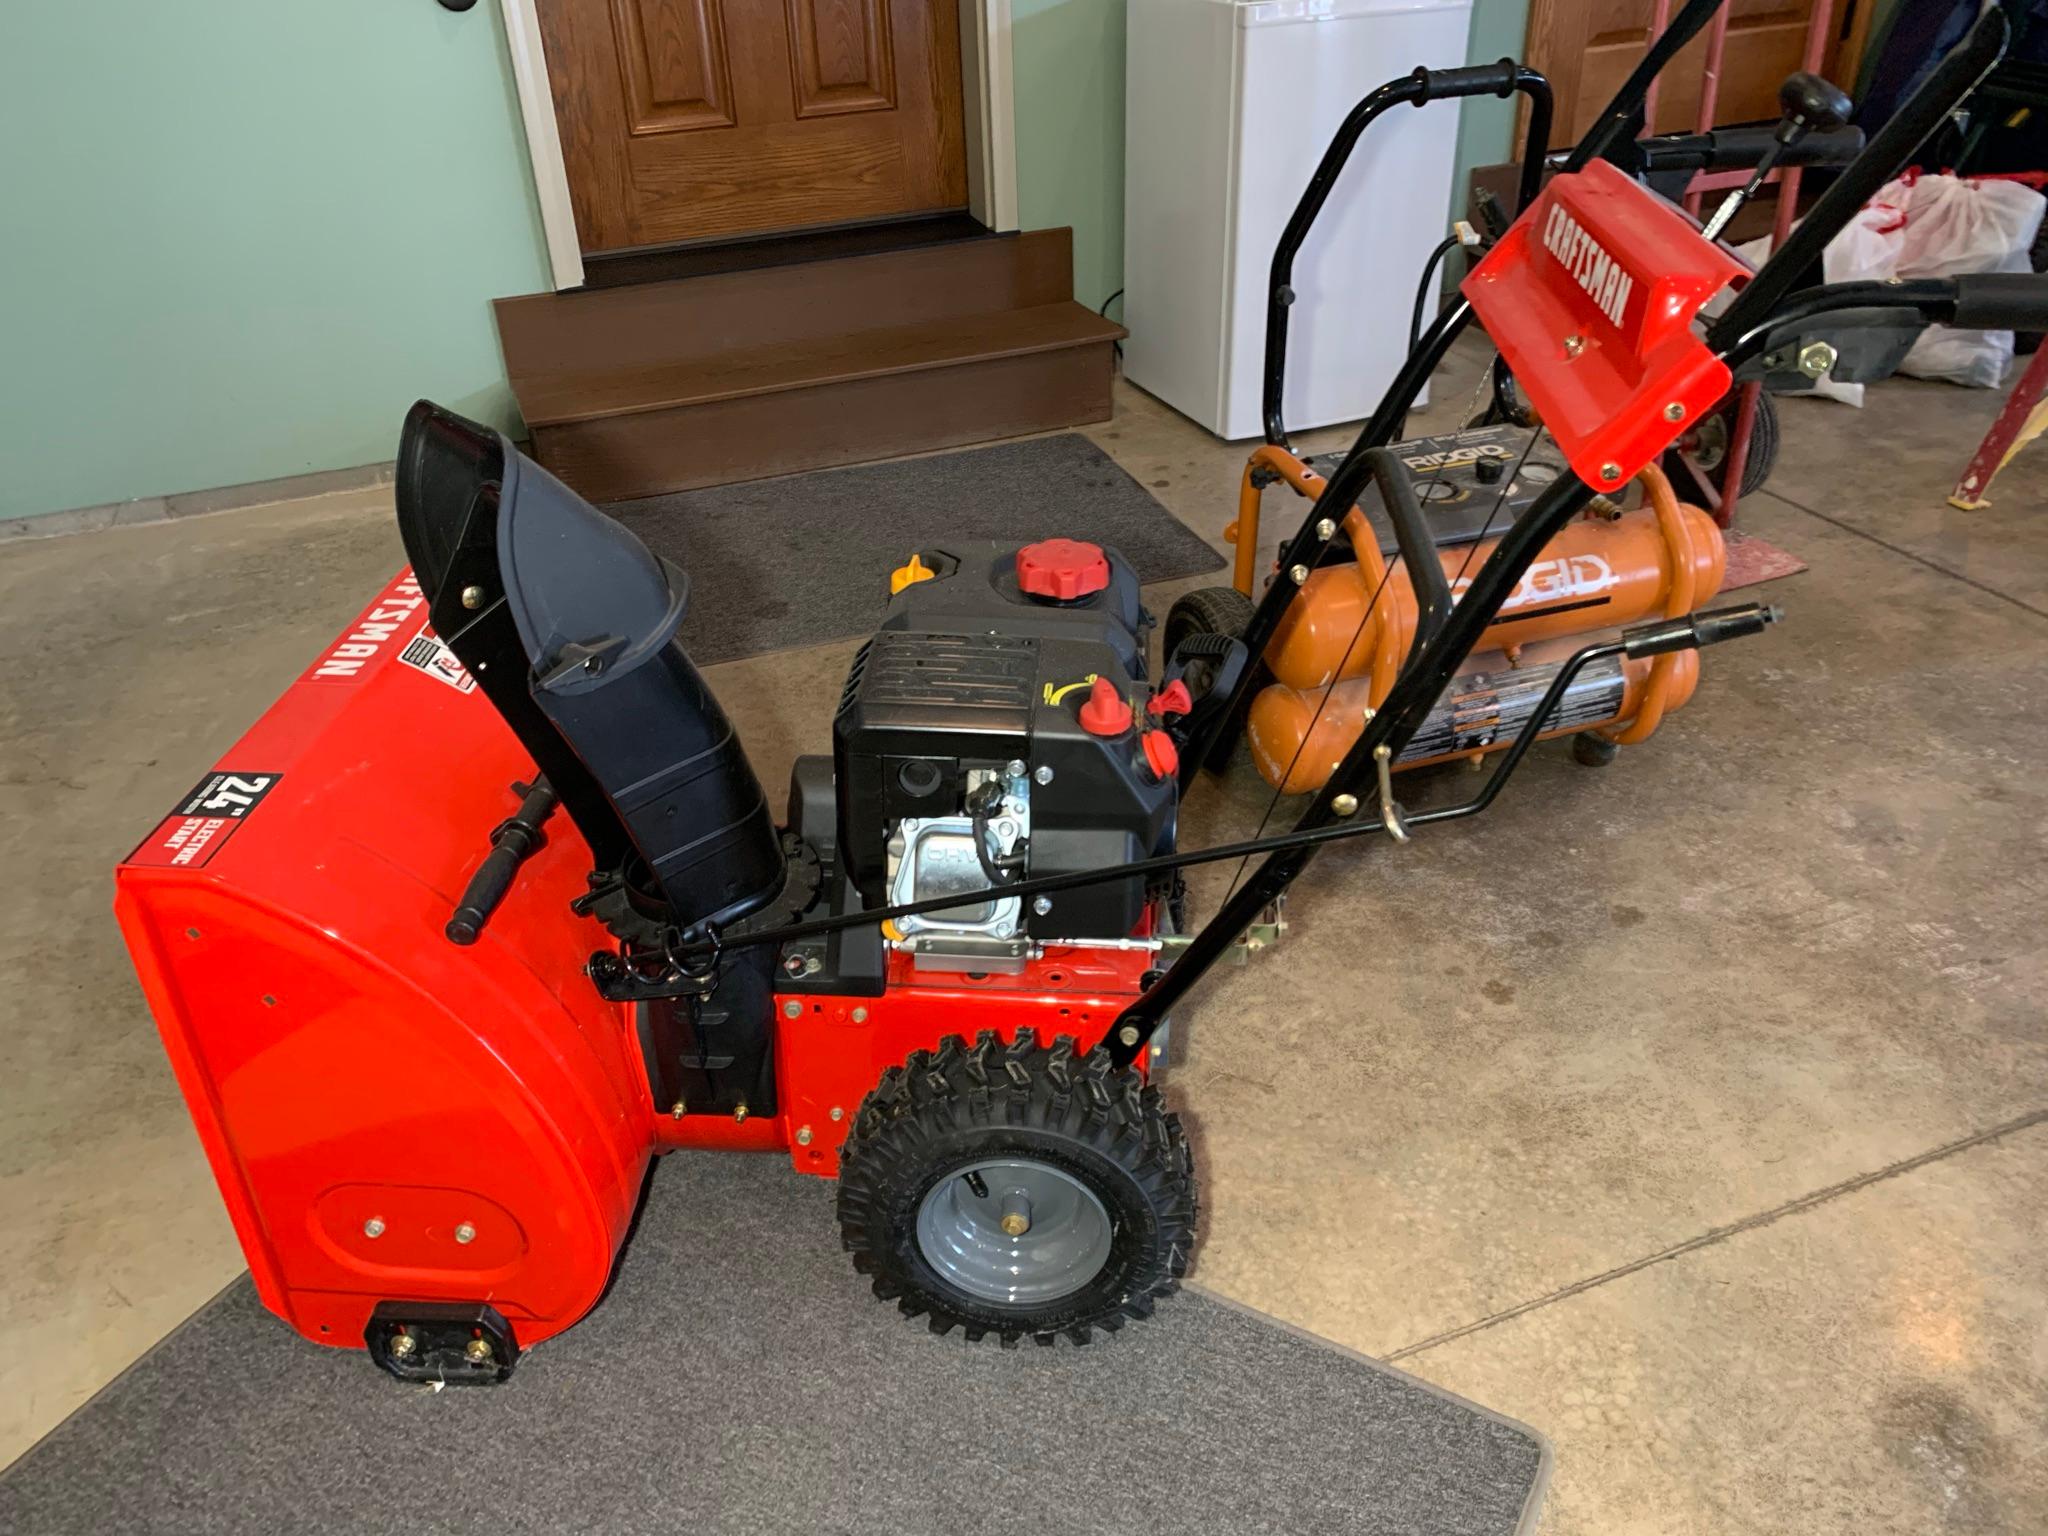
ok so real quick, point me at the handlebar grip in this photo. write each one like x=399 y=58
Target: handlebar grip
x=1691 y=631
x=1744 y=148
x=1497 y=79
x=1826 y=146
x=2002 y=301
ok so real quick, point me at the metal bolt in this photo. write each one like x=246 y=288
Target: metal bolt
x=1326 y=529
x=1128 y=1034
x=472 y=597
x=1044 y=773
x=1574 y=345
x=1816 y=358
x=478 y=1350
x=1610 y=471
x=1674 y=412
x=676 y=1110
x=813 y=965
x=860 y=1015
x=465 y=1233
x=1041 y=905
x=793 y=965
x=838 y=1113
x=402 y=1345
x=803 y=1136
x=374 y=1227
x=1014 y=768
x=1016 y=1215
x=1298 y=575
x=1345 y=805
x=791 y=1010
x=739 y=1114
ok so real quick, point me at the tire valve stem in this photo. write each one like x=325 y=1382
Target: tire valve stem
x=976 y=1183
x=1016 y=1216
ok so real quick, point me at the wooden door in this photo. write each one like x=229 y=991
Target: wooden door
x=1587 y=48
x=704 y=119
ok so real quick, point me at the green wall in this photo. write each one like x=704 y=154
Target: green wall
x=239 y=237
x=1067 y=63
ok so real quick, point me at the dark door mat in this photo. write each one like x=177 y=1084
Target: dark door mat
x=800 y=560
x=740 y=1378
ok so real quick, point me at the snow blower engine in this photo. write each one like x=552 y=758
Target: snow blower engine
x=490 y=908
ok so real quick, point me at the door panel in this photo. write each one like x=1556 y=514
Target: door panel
x=844 y=60
x=674 y=64
x=702 y=119
x=1588 y=47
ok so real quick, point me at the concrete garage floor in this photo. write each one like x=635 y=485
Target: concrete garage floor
x=1694 y=1110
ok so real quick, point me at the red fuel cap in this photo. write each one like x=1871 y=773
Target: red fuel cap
x=1106 y=713
x=1160 y=754
x=1063 y=569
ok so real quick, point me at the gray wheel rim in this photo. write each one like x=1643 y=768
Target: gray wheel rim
x=1064 y=1244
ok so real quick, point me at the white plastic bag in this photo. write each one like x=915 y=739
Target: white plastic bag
x=1952 y=227
x=1932 y=226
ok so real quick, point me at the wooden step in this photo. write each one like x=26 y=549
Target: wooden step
x=846 y=420
x=545 y=334
x=805 y=364
x=668 y=386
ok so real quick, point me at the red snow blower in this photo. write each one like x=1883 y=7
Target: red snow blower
x=490 y=908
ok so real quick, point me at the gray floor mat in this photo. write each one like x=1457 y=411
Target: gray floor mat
x=740 y=1378
x=804 y=559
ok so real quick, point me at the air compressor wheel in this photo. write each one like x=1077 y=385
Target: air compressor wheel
x=1017 y=1190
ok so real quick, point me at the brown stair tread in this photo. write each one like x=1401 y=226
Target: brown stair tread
x=556 y=399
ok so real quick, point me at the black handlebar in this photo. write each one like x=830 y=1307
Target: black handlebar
x=2002 y=301
x=1498 y=79
x=1418 y=89
x=1746 y=147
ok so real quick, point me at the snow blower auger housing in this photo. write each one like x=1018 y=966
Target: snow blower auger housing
x=490 y=908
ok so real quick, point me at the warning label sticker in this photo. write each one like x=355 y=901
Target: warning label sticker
x=204 y=820
x=428 y=653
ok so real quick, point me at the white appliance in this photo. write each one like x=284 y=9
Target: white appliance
x=1229 y=106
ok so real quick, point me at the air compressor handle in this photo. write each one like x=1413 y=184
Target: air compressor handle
x=1693 y=630
x=1416 y=541
x=515 y=839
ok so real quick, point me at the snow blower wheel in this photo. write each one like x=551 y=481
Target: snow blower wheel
x=1707 y=443
x=1017 y=1191
x=1205 y=611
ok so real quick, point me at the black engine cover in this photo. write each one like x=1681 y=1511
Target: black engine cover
x=967 y=671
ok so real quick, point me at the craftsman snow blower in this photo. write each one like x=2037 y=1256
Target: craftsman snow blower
x=489 y=908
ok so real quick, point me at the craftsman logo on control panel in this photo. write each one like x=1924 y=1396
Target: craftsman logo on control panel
x=366 y=640
x=204 y=820
x=1606 y=282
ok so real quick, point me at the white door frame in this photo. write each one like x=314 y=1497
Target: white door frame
x=988 y=103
